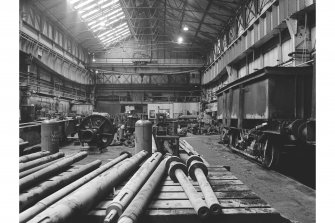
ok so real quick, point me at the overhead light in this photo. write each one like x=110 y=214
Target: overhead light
x=185 y=28
x=93 y=59
x=180 y=39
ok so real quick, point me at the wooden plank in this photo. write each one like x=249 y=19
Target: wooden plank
x=219 y=195
x=212 y=182
x=182 y=196
x=177 y=204
x=219 y=188
x=188 y=215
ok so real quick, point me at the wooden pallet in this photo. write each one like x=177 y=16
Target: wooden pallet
x=170 y=204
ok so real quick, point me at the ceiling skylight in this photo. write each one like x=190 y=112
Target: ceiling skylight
x=104 y=18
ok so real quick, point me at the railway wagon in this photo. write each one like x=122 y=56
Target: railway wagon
x=267 y=112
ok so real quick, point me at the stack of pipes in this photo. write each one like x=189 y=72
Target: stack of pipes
x=43 y=201
x=198 y=171
x=81 y=200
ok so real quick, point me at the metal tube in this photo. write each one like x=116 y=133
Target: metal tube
x=196 y=201
x=50 y=170
x=198 y=171
x=35 y=194
x=154 y=146
x=128 y=192
x=46 y=202
x=33 y=170
x=210 y=197
x=37 y=162
x=188 y=148
x=142 y=198
x=83 y=199
x=33 y=156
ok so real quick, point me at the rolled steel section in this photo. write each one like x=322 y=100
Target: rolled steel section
x=210 y=197
x=196 y=201
x=33 y=170
x=46 y=188
x=198 y=171
x=128 y=192
x=40 y=161
x=33 y=156
x=188 y=148
x=143 y=197
x=50 y=170
x=83 y=199
x=154 y=145
x=53 y=198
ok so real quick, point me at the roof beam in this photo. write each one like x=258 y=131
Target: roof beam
x=203 y=18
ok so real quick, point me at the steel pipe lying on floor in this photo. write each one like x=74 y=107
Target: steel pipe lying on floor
x=154 y=145
x=128 y=192
x=198 y=171
x=46 y=188
x=53 y=198
x=188 y=148
x=83 y=199
x=178 y=173
x=33 y=170
x=142 y=198
x=50 y=170
x=33 y=156
x=40 y=161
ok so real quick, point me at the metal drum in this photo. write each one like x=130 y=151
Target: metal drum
x=143 y=136
x=50 y=136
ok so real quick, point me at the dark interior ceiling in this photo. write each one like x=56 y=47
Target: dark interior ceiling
x=155 y=22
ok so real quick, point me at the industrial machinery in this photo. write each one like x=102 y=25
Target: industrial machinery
x=96 y=131
x=165 y=133
x=268 y=111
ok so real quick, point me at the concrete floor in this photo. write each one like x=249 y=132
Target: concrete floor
x=292 y=199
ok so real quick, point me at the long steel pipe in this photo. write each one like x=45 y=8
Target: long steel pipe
x=33 y=170
x=177 y=172
x=188 y=148
x=128 y=192
x=46 y=188
x=154 y=145
x=50 y=170
x=198 y=171
x=53 y=198
x=33 y=156
x=83 y=199
x=40 y=161
x=142 y=198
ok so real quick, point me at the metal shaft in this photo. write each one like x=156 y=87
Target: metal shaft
x=46 y=202
x=198 y=171
x=210 y=197
x=196 y=201
x=50 y=170
x=154 y=146
x=142 y=198
x=188 y=148
x=33 y=163
x=83 y=199
x=33 y=156
x=35 y=194
x=128 y=192
x=33 y=170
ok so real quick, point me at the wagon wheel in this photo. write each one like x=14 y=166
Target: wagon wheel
x=96 y=130
x=270 y=155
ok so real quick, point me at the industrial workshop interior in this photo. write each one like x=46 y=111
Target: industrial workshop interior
x=171 y=111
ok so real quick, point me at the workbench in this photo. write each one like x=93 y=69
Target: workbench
x=170 y=204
